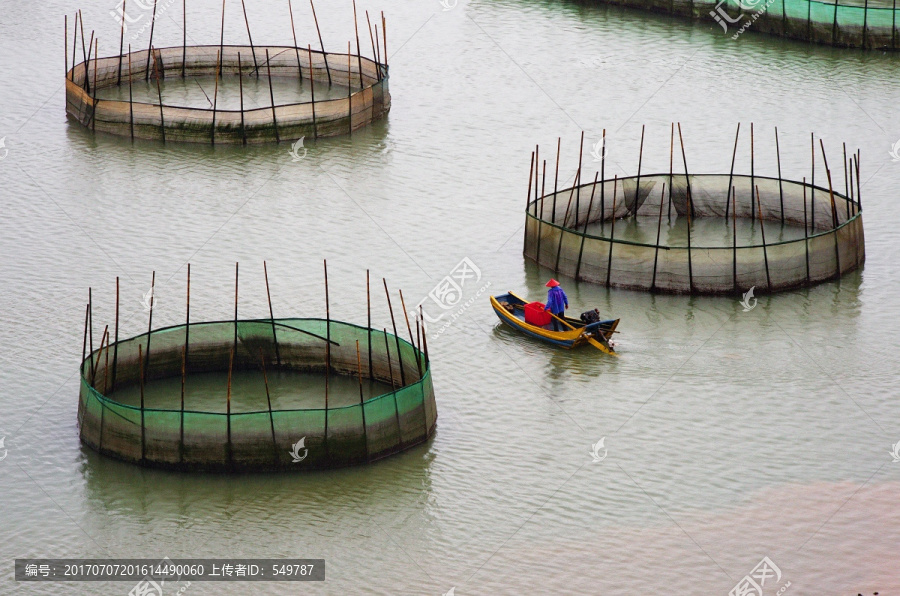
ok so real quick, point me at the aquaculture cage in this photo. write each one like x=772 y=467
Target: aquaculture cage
x=698 y=233
x=89 y=84
x=870 y=24
x=166 y=428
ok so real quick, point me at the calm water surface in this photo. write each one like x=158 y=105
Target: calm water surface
x=729 y=435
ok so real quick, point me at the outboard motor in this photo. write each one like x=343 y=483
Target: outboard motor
x=590 y=316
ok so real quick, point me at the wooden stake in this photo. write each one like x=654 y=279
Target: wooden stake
x=805 y=232
x=321 y=44
x=612 y=233
x=637 y=186
x=587 y=220
x=387 y=348
x=369 y=324
x=834 y=217
x=391 y=369
x=296 y=47
x=686 y=175
x=812 y=210
x=262 y=359
x=312 y=90
x=84 y=54
x=731 y=172
x=183 y=378
x=150 y=44
x=328 y=342
x=374 y=48
x=216 y=91
x=241 y=91
x=578 y=180
x=734 y=234
x=362 y=400
x=228 y=446
x=396 y=335
x=752 y=170
x=250 y=37
x=91 y=330
x=221 y=55
x=272 y=97
x=603 y=180
x=74 y=44
x=116 y=349
x=150 y=321
x=349 y=94
x=780 y=180
x=384 y=37
x=671 y=171
x=540 y=218
x=95 y=100
x=358 y=52
x=234 y=346
x=271 y=315
x=424 y=338
x=187 y=324
x=121 y=44
x=162 y=121
x=846 y=181
x=562 y=231
x=555 y=181
x=762 y=230
x=412 y=339
x=130 y=96
x=87 y=313
x=141 y=384
x=184 y=38
x=528 y=204
x=662 y=196
x=87 y=64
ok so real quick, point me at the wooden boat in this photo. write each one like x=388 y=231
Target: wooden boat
x=576 y=332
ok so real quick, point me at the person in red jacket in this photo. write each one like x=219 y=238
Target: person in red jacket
x=557 y=302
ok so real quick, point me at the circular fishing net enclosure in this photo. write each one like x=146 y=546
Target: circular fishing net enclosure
x=697 y=234
x=870 y=24
x=352 y=92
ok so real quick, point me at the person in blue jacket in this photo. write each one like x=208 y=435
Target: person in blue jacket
x=557 y=302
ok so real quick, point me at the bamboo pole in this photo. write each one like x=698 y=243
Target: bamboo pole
x=362 y=401
x=216 y=91
x=369 y=324
x=662 y=196
x=612 y=232
x=834 y=217
x=121 y=44
x=234 y=348
x=780 y=180
x=228 y=446
x=412 y=339
x=384 y=37
x=106 y=364
x=143 y=424
x=393 y=388
x=187 y=323
x=424 y=338
x=603 y=180
x=296 y=47
x=262 y=359
x=95 y=101
x=374 y=48
x=150 y=321
x=671 y=171
x=396 y=335
x=327 y=347
x=271 y=315
x=66 y=45
x=805 y=232
x=116 y=349
x=562 y=231
x=312 y=90
x=528 y=204
x=846 y=182
x=84 y=54
x=637 y=186
x=183 y=38
x=221 y=55
x=130 y=96
x=858 y=181
x=271 y=96
x=74 y=44
x=540 y=218
x=555 y=181
x=812 y=214
x=103 y=337
x=752 y=170
x=358 y=51
x=378 y=53
x=250 y=37
x=162 y=121
x=837 y=251
x=690 y=210
x=578 y=179
x=587 y=220
x=731 y=172
x=321 y=43
x=181 y=434
x=762 y=230
x=87 y=312
x=241 y=91
x=91 y=330
x=349 y=94
x=150 y=43
x=734 y=235
x=87 y=65
x=686 y=175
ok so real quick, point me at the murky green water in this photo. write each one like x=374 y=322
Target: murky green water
x=729 y=435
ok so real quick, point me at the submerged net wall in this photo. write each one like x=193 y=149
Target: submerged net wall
x=556 y=233
x=870 y=24
x=194 y=440
x=367 y=79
